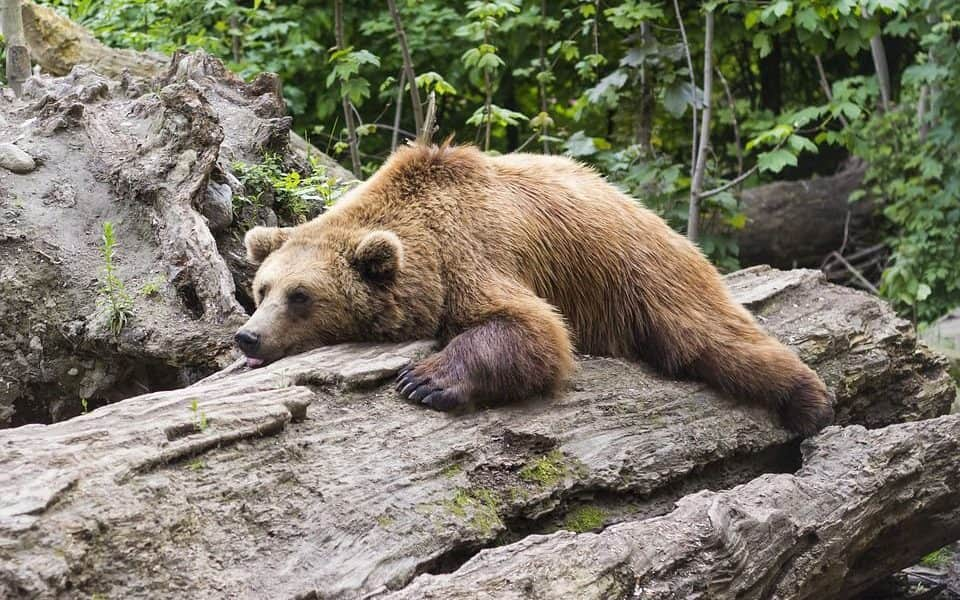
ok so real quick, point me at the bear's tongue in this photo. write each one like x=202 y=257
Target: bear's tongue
x=253 y=363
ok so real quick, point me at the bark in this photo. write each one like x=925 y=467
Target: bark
x=309 y=478
x=798 y=223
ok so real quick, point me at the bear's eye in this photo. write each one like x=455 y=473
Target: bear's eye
x=297 y=297
x=263 y=291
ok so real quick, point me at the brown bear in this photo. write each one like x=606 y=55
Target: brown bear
x=511 y=262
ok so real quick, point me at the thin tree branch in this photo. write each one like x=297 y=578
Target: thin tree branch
x=922 y=113
x=429 y=120
x=488 y=100
x=347 y=112
x=398 y=111
x=740 y=179
x=234 y=38
x=825 y=86
x=527 y=142
x=696 y=186
x=543 y=69
x=856 y=273
x=407 y=66
x=693 y=83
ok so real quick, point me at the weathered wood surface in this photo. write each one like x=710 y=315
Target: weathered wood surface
x=864 y=503
x=310 y=478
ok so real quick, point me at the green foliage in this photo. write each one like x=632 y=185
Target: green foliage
x=114 y=298
x=346 y=68
x=917 y=177
x=293 y=195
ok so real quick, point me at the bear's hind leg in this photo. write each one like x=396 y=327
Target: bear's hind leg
x=518 y=348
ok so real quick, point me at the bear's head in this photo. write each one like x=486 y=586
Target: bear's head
x=317 y=286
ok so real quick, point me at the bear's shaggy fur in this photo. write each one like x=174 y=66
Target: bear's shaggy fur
x=512 y=262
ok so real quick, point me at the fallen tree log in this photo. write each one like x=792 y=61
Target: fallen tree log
x=309 y=478
x=798 y=223
x=864 y=504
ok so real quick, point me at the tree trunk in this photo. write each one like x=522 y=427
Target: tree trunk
x=18 y=57
x=310 y=478
x=883 y=72
x=700 y=166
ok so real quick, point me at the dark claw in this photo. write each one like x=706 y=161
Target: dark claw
x=443 y=400
x=421 y=392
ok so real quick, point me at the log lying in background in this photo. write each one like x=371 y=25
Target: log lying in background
x=798 y=223
x=308 y=478
x=864 y=504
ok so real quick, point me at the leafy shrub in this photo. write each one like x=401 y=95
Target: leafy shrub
x=294 y=196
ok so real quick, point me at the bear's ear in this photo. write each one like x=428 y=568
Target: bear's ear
x=378 y=256
x=261 y=241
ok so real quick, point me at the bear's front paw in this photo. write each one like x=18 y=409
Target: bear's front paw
x=424 y=385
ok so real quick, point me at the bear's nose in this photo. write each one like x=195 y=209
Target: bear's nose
x=247 y=340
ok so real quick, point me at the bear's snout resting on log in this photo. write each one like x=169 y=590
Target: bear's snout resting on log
x=512 y=262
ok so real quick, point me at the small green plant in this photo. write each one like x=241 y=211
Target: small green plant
x=294 y=194
x=196 y=465
x=152 y=287
x=83 y=406
x=200 y=422
x=113 y=293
